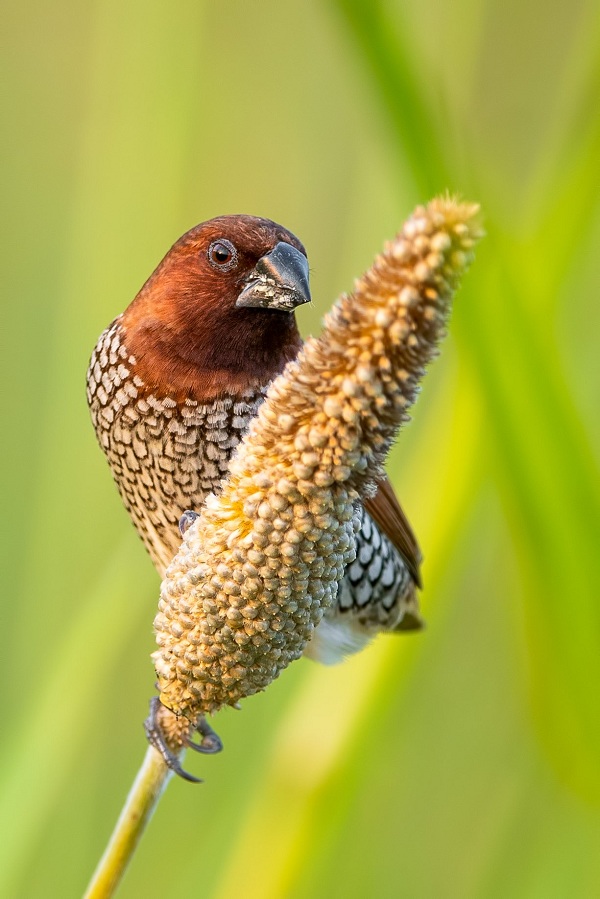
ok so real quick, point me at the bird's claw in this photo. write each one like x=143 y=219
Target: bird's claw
x=157 y=739
x=210 y=742
x=186 y=520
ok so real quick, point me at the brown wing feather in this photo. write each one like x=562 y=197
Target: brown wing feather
x=386 y=512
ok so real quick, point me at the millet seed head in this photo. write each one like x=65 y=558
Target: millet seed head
x=257 y=569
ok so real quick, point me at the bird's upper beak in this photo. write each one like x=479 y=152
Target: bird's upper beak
x=279 y=280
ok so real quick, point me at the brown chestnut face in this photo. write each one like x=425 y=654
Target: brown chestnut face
x=221 y=302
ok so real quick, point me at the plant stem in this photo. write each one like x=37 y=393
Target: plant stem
x=143 y=797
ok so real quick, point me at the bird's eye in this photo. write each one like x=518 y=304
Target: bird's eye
x=222 y=254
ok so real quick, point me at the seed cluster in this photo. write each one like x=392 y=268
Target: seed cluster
x=256 y=571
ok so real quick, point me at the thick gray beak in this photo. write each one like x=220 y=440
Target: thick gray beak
x=278 y=281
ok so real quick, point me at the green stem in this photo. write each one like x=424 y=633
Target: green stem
x=143 y=797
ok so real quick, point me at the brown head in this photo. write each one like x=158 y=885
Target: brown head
x=217 y=315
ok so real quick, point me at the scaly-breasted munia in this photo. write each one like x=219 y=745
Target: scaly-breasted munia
x=174 y=382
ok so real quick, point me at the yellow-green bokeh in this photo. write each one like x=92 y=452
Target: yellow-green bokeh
x=462 y=762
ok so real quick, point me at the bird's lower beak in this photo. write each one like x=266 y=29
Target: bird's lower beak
x=278 y=281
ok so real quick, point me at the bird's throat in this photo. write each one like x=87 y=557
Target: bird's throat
x=207 y=365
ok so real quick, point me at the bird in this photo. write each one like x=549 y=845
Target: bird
x=174 y=382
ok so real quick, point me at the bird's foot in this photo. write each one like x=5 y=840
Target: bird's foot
x=154 y=726
x=187 y=519
x=210 y=742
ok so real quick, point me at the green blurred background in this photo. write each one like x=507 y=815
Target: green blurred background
x=462 y=762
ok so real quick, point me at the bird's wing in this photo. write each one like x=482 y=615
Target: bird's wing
x=386 y=512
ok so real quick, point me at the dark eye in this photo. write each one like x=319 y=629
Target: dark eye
x=222 y=254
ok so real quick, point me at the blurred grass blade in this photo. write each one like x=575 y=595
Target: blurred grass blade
x=389 y=57
x=569 y=210
x=565 y=188
x=550 y=484
x=552 y=502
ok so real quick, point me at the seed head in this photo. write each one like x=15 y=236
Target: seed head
x=257 y=569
